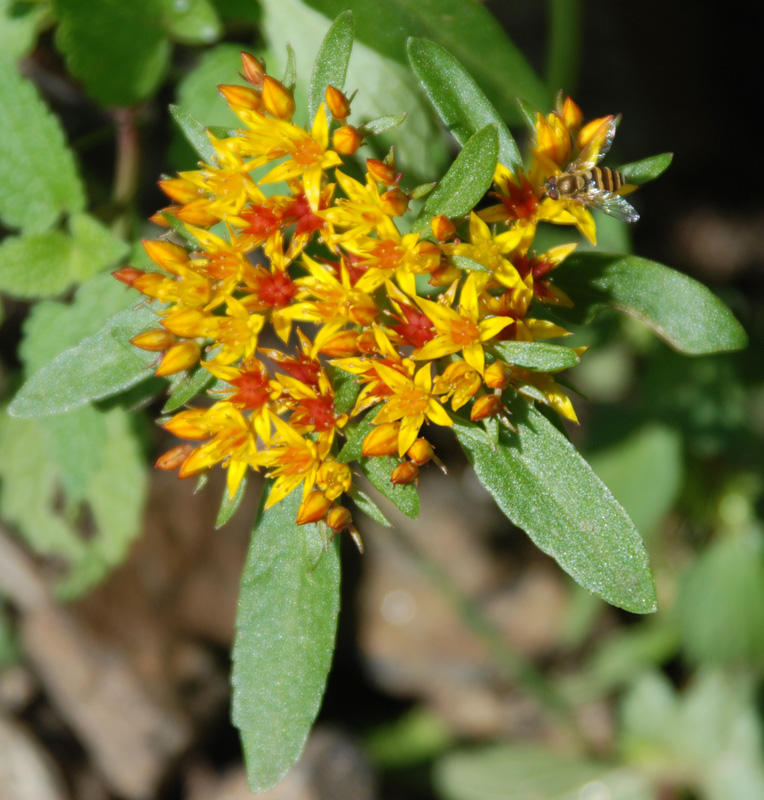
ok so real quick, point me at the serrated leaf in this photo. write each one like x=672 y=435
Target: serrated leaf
x=378 y=470
x=191 y=21
x=648 y=169
x=509 y=772
x=459 y=102
x=100 y=366
x=465 y=183
x=332 y=61
x=465 y=28
x=683 y=312
x=189 y=386
x=285 y=633
x=33 y=198
x=230 y=505
x=541 y=482
x=537 y=356
x=36 y=266
x=195 y=133
x=368 y=506
x=53 y=327
x=100 y=43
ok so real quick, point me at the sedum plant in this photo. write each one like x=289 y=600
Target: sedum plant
x=318 y=322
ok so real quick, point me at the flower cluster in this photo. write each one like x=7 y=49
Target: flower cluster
x=324 y=264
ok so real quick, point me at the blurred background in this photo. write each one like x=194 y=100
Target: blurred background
x=469 y=666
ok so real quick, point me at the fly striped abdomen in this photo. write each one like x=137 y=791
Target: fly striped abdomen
x=601 y=178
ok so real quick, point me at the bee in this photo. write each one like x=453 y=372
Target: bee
x=585 y=183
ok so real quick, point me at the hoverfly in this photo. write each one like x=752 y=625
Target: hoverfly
x=589 y=185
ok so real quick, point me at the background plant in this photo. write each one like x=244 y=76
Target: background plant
x=673 y=414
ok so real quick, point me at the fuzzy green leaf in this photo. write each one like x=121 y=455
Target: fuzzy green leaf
x=332 y=62
x=187 y=388
x=467 y=180
x=467 y=29
x=460 y=103
x=195 y=133
x=36 y=266
x=100 y=366
x=19 y=25
x=117 y=49
x=191 y=21
x=33 y=198
x=383 y=124
x=463 y=262
x=285 y=634
x=368 y=506
x=537 y=356
x=229 y=505
x=541 y=482
x=648 y=169
x=683 y=312
x=378 y=470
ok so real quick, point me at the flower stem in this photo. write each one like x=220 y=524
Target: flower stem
x=126 y=168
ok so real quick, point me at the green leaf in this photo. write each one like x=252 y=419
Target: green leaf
x=383 y=124
x=537 y=356
x=53 y=327
x=683 y=312
x=96 y=248
x=36 y=266
x=187 y=388
x=378 y=470
x=331 y=65
x=509 y=772
x=117 y=49
x=648 y=169
x=109 y=490
x=229 y=505
x=541 y=482
x=33 y=197
x=285 y=633
x=189 y=240
x=720 y=605
x=467 y=29
x=191 y=21
x=460 y=103
x=463 y=262
x=195 y=133
x=368 y=506
x=465 y=183
x=346 y=389
x=100 y=366
x=19 y=26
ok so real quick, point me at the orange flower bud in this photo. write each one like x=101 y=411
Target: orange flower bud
x=445 y=274
x=497 y=375
x=486 y=406
x=346 y=140
x=381 y=172
x=179 y=189
x=420 y=452
x=156 y=341
x=173 y=458
x=189 y=424
x=405 y=473
x=394 y=202
x=176 y=359
x=167 y=255
x=127 y=275
x=337 y=103
x=367 y=343
x=339 y=518
x=382 y=440
x=158 y=219
x=442 y=228
x=277 y=99
x=241 y=97
x=313 y=508
x=253 y=70
x=187 y=323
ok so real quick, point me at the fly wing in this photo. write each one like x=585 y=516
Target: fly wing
x=612 y=204
x=597 y=147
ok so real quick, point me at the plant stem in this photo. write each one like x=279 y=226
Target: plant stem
x=512 y=664
x=564 y=45
x=126 y=169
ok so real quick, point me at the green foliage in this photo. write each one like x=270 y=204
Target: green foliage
x=195 y=133
x=466 y=181
x=229 y=505
x=537 y=356
x=457 y=99
x=331 y=65
x=683 y=312
x=191 y=22
x=37 y=170
x=544 y=486
x=99 y=42
x=648 y=169
x=285 y=631
x=19 y=25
